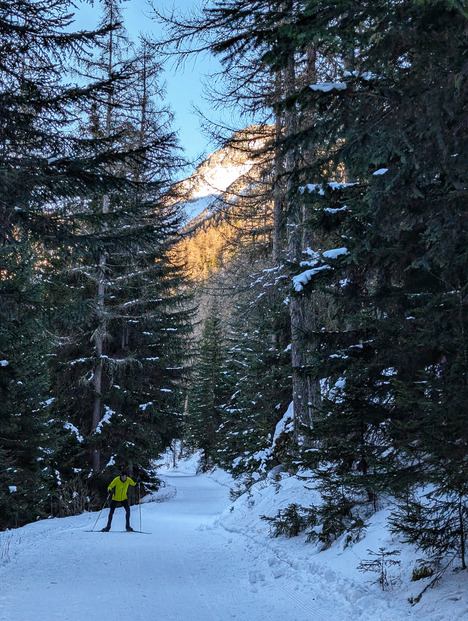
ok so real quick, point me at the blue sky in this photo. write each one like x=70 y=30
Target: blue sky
x=184 y=84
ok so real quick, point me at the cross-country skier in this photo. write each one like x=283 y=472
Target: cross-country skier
x=119 y=498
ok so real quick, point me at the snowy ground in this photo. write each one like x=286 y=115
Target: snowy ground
x=206 y=559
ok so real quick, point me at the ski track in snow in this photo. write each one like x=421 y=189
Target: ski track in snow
x=188 y=569
x=205 y=560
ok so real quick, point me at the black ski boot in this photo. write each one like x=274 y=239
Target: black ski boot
x=105 y=530
x=130 y=529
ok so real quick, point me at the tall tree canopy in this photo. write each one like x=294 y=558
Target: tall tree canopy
x=87 y=286
x=369 y=101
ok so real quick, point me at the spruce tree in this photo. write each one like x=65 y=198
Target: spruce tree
x=209 y=389
x=258 y=368
x=26 y=480
x=45 y=166
x=124 y=367
x=394 y=417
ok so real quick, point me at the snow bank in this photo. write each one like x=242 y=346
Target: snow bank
x=355 y=594
x=332 y=578
x=206 y=557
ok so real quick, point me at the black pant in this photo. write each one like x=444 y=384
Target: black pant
x=119 y=503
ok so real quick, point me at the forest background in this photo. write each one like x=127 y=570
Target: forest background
x=333 y=273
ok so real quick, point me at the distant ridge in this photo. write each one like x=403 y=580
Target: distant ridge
x=224 y=175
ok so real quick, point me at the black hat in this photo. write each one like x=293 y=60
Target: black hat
x=123 y=473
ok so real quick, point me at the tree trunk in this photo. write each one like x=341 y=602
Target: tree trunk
x=100 y=331
x=303 y=309
x=278 y=187
x=462 y=534
x=99 y=336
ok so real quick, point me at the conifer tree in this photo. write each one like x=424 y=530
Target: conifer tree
x=26 y=479
x=377 y=141
x=209 y=389
x=45 y=165
x=258 y=369
x=124 y=367
x=389 y=367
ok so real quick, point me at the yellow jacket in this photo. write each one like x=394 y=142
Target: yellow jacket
x=120 y=488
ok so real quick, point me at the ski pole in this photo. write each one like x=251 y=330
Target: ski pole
x=97 y=519
x=139 y=500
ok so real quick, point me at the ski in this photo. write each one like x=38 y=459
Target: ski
x=141 y=532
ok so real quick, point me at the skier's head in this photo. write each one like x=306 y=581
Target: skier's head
x=123 y=475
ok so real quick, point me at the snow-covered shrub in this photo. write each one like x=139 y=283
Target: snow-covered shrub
x=290 y=522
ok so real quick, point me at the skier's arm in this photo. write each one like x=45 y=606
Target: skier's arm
x=112 y=485
x=131 y=481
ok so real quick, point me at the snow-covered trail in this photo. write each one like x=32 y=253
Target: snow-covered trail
x=188 y=569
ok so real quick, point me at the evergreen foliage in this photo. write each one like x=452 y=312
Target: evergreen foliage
x=87 y=278
x=389 y=368
x=289 y=522
x=365 y=215
x=370 y=104
x=436 y=523
x=259 y=375
x=389 y=426
x=44 y=165
x=26 y=477
x=124 y=368
x=209 y=390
